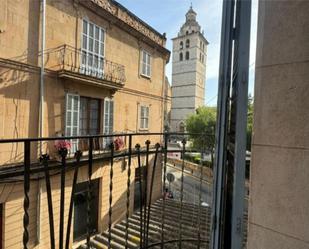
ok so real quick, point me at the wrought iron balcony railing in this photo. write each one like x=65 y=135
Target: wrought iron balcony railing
x=76 y=63
x=179 y=216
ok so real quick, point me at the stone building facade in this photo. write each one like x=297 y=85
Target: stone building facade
x=279 y=200
x=188 y=71
x=104 y=73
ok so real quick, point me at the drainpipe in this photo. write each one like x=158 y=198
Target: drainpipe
x=43 y=8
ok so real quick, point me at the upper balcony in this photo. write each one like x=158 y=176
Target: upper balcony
x=85 y=67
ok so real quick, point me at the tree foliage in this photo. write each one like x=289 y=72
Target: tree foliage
x=249 y=122
x=203 y=121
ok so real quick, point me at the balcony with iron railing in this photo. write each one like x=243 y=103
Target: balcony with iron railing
x=85 y=67
x=71 y=63
x=166 y=205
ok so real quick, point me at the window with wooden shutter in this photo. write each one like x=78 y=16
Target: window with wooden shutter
x=108 y=118
x=72 y=118
x=89 y=117
x=144 y=117
x=145 y=64
x=93 y=38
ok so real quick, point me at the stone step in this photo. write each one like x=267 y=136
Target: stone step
x=190 y=219
x=120 y=239
x=176 y=210
x=157 y=211
x=157 y=207
x=171 y=225
x=171 y=231
x=131 y=232
x=103 y=241
x=186 y=206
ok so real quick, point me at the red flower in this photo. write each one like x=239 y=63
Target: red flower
x=62 y=144
x=118 y=143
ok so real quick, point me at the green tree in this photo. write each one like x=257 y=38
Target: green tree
x=249 y=122
x=203 y=121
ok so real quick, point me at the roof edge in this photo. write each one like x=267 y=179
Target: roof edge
x=138 y=19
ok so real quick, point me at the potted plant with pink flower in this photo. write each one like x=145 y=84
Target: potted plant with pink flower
x=118 y=143
x=62 y=147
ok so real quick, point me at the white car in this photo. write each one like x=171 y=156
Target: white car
x=204 y=204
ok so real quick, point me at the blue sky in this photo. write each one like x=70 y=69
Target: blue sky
x=168 y=16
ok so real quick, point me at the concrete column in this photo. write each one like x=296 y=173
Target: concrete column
x=279 y=198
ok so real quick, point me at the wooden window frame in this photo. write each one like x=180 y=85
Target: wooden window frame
x=147 y=65
x=97 y=71
x=74 y=97
x=88 y=113
x=142 y=127
x=111 y=120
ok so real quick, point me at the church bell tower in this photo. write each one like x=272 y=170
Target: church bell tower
x=188 y=71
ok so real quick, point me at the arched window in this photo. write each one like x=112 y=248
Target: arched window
x=187 y=55
x=187 y=32
x=180 y=56
x=181 y=127
x=187 y=43
x=181 y=45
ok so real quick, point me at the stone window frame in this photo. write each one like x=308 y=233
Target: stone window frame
x=180 y=56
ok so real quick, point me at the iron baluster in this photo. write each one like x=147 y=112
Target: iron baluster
x=138 y=147
x=181 y=192
x=146 y=189
x=157 y=146
x=110 y=197
x=90 y=159
x=164 y=186
x=44 y=159
x=77 y=156
x=63 y=153
x=26 y=192
x=128 y=191
x=63 y=57
x=199 y=204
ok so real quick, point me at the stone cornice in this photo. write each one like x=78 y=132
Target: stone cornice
x=123 y=15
